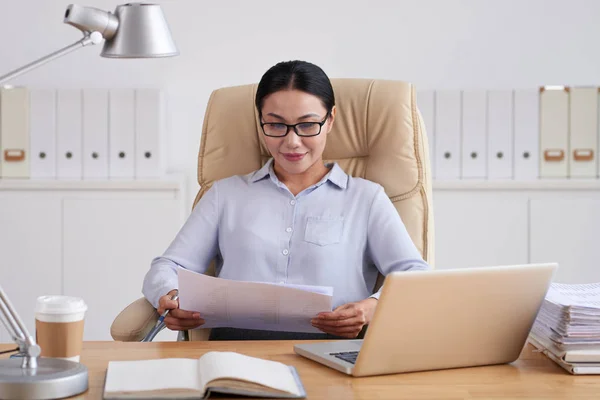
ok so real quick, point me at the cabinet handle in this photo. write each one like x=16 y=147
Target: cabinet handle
x=583 y=154
x=14 y=155
x=554 y=155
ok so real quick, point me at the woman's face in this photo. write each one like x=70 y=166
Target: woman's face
x=292 y=153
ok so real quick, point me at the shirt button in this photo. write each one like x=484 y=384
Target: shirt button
x=288 y=230
x=292 y=202
x=285 y=252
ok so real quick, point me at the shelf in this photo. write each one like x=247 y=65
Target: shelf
x=175 y=182
x=164 y=183
x=540 y=184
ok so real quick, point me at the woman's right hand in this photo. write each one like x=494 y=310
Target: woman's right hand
x=176 y=319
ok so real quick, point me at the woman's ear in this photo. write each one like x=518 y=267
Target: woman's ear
x=331 y=118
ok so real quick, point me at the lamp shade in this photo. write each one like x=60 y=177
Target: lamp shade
x=143 y=32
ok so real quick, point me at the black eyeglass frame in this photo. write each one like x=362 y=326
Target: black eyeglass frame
x=262 y=125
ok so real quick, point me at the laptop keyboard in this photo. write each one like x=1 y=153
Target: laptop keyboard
x=349 y=356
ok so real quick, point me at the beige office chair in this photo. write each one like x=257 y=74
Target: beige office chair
x=378 y=134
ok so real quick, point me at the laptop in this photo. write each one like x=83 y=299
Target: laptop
x=440 y=319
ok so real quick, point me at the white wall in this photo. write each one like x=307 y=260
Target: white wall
x=433 y=43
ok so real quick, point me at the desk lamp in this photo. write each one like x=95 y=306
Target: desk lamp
x=135 y=30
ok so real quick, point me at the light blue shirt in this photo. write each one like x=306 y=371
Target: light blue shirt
x=339 y=232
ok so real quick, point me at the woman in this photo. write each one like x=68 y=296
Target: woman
x=296 y=220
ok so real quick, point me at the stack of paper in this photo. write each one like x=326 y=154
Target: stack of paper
x=567 y=328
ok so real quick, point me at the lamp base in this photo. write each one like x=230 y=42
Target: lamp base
x=52 y=379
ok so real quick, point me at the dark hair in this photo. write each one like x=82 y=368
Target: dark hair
x=299 y=75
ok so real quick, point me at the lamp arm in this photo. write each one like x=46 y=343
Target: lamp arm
x=9 y=323
x=89 y=38
x=27 y=345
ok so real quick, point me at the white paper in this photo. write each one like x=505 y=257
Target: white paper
x=582 y=295
x=570 y=317
x=251 y=305
x=326 y=290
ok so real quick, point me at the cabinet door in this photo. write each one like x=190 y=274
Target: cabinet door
x=476 y=229
x=31 y=252
x=108 y=247
x=566 y=231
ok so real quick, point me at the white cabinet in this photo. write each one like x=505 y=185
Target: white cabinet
x=96 y=239
x=30 y=251
x=93 y=239
x=566 y=229
x=479 y=229
x=483 y=223
x=108 y=247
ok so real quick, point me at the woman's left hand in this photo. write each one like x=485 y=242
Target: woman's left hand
x=347 y=320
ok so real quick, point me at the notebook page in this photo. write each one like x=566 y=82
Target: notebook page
x=218 y=365
x=166 y=373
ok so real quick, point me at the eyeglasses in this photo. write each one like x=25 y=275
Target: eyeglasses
x=303 y=129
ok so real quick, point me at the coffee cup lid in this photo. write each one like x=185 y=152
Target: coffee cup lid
x=59 y=305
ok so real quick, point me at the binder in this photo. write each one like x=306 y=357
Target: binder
x=149 y=127
x=526 y=134
x=121 y=133
x=68 y=134
x=500 y=134
x=426 y=105
x=447 y=134
x=95 y=134
x=474 y=134
x=554 y=132
x=42 y=132
x=583 y=128
x=14 y=129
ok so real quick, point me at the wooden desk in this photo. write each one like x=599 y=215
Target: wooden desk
x=533 y=376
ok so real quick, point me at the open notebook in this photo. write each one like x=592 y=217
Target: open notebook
x=214 y=372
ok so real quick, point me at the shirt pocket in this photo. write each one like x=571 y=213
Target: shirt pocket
x=324 y=231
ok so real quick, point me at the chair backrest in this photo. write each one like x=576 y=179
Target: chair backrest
x=378 y=135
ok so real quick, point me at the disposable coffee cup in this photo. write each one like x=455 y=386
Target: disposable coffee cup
x=59 y=324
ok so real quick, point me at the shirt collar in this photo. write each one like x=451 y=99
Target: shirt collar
x=336 y=175
x=263 y=172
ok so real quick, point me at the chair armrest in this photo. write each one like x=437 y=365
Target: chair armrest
x=134 y=322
